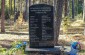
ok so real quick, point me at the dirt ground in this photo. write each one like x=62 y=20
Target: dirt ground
x=7 y=39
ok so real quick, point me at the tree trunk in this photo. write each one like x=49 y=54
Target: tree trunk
x=29 y=2
x=2 y=15
x=40 y=1
x=65 y=8
x=14 y=7
x=26 y=10
x=26 y=5
x=47 y=1
x=84 y=14
x=33 y=1
x=72 y=8
x=11 y=6
x=14 y=11
x=84 y=11
x=19 y=5
x=58 y=19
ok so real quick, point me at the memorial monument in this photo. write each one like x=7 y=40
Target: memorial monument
x=41 y=26
x=41 y=30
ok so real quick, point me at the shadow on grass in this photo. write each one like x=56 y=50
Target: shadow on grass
x=6 y=43
x=15 y=33
x=6 y=46
x=7 y=40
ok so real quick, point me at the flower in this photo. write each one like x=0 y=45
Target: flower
x=74 y=45
x=24 y=43
x=18 y=45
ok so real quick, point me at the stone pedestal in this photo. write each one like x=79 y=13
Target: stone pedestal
x=43 y=51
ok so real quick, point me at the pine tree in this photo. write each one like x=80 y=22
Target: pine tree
x=58 y=18
x=2 y=15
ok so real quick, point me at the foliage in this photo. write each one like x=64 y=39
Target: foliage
x=15 y=43
x=78 y=7
x=66 y=24
x=19 y=22
x=82 y=51
x=3 y=50
x=7 y=15
x=79 y=17
x=18 y=47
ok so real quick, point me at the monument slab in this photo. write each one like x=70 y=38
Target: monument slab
x=41 y=30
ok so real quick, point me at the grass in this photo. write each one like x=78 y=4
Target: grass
x=15 y=49
x=82 y=51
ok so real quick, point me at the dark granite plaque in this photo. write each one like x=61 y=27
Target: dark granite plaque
x=41 y=29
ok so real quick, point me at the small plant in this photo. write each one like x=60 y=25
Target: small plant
x=82 y=51
x=66 y=24
x=18 y=22
x=2 y=50
x=79 y=17
x=17 y=48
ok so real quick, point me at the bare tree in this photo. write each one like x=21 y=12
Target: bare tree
x=26 y=10
x=58 y=18
x=29 y=2
x=84 y=10
x=14 y=11
x=65 y=8
x=72 y=8
x=2 y=15
x=10 y=6
x=14 y=6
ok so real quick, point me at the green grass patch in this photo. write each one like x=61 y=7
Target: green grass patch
x=82 y=51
